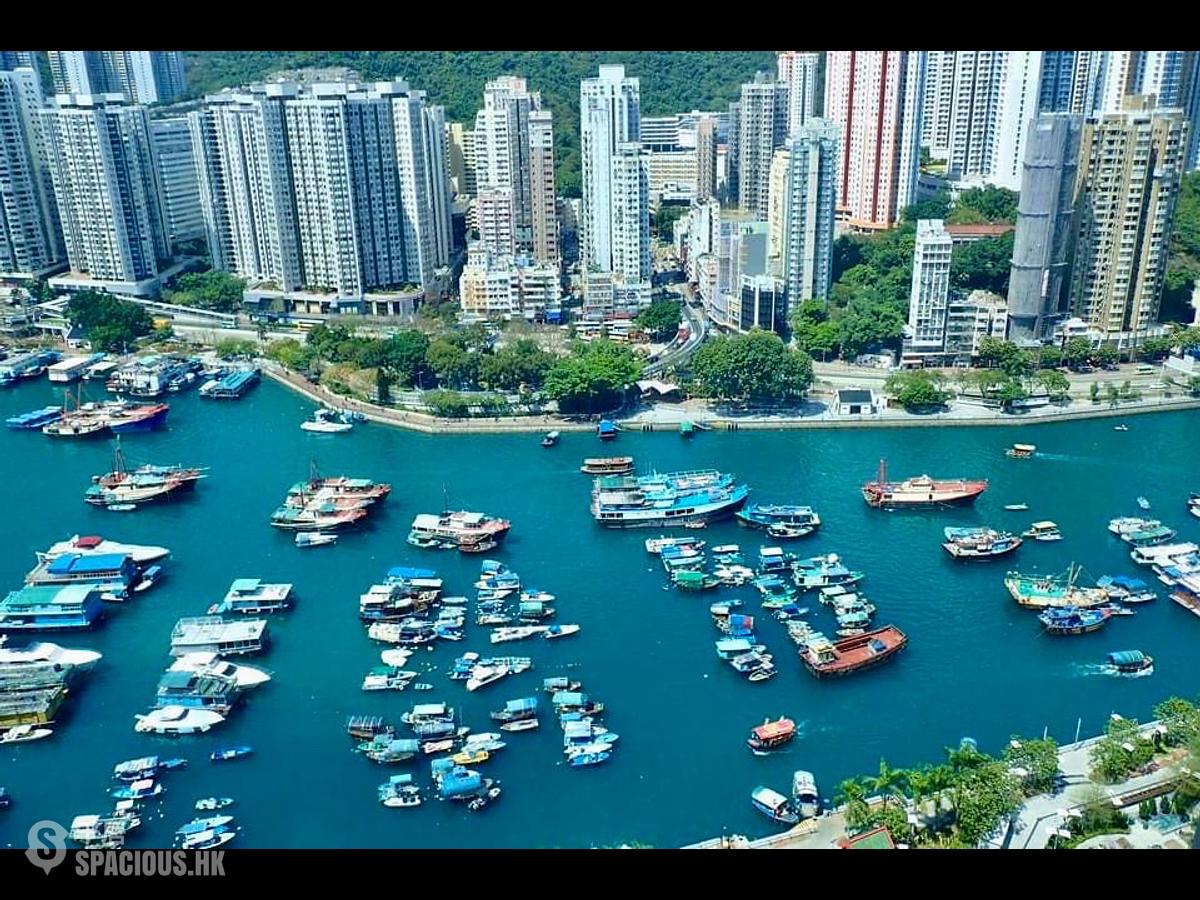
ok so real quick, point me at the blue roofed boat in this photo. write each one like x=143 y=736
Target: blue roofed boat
x=673 y=499
x=1073 y=620
x=34 y=420
x=606 y=430
x=225 y=754
x=409 y=573
x=762 y=515
x=459 y=783
x=51 y=607
x=27 y=365
x=231 y=386
x=1130 y=662
x=516 y=710
x=1126 y=589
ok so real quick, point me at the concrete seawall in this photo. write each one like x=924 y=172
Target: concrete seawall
x=428 y=424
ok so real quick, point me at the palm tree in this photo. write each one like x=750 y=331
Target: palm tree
x=853 y=796
x=888 y=783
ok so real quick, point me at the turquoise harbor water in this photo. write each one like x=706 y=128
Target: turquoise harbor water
x=976 y=664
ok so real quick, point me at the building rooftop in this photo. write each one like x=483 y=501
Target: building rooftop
x=855 y=395
x=875 y=839
x=980 y=230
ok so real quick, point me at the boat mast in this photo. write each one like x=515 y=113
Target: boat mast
x=882 y=472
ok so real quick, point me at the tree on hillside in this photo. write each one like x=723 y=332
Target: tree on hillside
x=813 y=331
x=660 y=319
x=936 y=207
x=110 y=324
x=917 y=390
x=215 y=290
x=755 y=367
x=983 y=265
x=593 y=377
x=990 y=204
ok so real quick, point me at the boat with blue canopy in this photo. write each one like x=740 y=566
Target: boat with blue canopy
x=1130 y=662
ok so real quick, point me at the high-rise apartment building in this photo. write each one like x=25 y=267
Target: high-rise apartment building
x=762 y=129
x=874 y=96
x=507 y=130
x=1043 y=243
x=614 y=219
x=30 y=235
x=1130 y=165
x=777 y=204
x=18 y=59
x=1069 y=81
x=336 y=188
x=813 y=158
x=706 y=158
x=101 y=159
x=143 y=76
x=930 y=287
x=799 y=72
x=177 y=176
x=461 y=156
x=1018 y=107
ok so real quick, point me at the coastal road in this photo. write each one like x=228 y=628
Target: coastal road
x=698 y=326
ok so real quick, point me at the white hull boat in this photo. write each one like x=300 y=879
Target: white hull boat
x=177 y=720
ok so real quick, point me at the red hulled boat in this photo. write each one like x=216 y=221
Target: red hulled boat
x=920 y=492
x=829 y=659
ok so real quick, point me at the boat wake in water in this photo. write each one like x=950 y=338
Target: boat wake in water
x=1084 y=670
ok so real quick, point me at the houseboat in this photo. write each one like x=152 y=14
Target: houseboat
x=231 y=386
x=464 y=528
x=26 y=365
x=68 y=370
x=675 y=498
x=1162 y=554
x=250 y=596
x=51 y=607
x=922 y=492
x=827 y=659
x=1152 y=535
x=607 y=465
x=213 y=634
x=115 y=574
x=198 y=691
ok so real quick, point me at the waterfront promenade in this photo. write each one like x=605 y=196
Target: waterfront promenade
x=1030 y=829
x=816 y=414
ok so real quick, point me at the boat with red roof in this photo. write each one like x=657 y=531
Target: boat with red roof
x=921 y=492
x=770 y=735
x=829 y=659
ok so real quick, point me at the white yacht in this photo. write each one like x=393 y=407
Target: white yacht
x=208 y=663
x=177 y=720
x=41 y=652
x=90 y=545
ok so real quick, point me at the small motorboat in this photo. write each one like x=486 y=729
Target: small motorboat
x=771 y=735
x=520 y=725
x=1194 y=505
x=225 y=754
x=325 y=421
x=121 y=507
x=206 y=840
x=1121 y=427
x=315 y=538
x=550 y=439
x=773 y=805
x=1131 y=663
x=478 y=802
x=139 y=790
x=197 y=825
x=784 y=531
x=1021 y=451
x=1043 y=531
x=1143 y=503
x=558 y=631
x=397 y=656
x=696 y=524
x=5 y=797
x=400 y=792
x=589 y=758
x=214 y=803
x=1017 y=507
x=19 y=734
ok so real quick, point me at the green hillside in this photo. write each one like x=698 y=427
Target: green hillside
x=671 y=81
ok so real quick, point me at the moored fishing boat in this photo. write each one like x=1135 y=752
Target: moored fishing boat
x=1126 y=589
x=825 y=658
x=771 y=735
x=140 y=485
x=979 y=543
x=1044 y=591
x=314 y=539
x=1073 y=620
x=763 y=515
x=145 y=767
x=921 y=492
x=688 y=580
